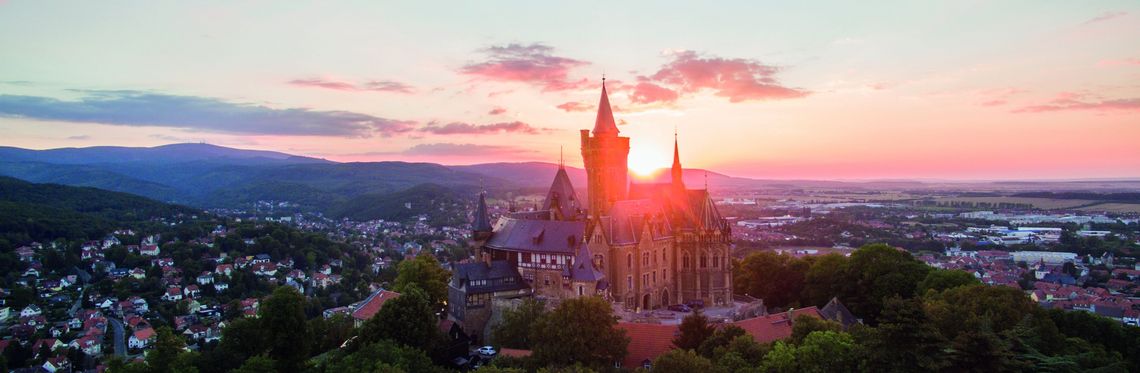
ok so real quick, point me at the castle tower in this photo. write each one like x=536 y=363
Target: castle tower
x=605 y=155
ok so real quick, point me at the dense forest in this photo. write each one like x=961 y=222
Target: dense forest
x=44 y=212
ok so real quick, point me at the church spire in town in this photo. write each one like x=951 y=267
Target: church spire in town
x=678 y=172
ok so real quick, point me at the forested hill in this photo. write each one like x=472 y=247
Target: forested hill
x=42 y=212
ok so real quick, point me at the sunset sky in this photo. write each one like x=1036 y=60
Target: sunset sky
x=826 y=90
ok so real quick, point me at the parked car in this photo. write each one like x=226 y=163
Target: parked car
x=696 y=303
x=680 y=308
x=487 y=351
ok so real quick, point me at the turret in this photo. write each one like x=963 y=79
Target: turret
x=481 y=226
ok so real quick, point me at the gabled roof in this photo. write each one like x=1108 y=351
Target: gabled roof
x=836 y=311
x=561 y=200
x=537 y=236
x=604 y=124
x=583 y=268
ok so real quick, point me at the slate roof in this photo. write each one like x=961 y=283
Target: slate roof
x=627 y=222
x=583 y=268
x=537 y=236
x=836 y=311
x=694 y=209
x=561 y=199
x=482 y=221
x=499 y=269
x=604 y=123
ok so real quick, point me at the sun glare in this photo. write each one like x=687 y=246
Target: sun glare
x=645 y=163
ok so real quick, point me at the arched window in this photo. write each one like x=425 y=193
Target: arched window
x=685 y=261
x=629 y=261
x=716 y=261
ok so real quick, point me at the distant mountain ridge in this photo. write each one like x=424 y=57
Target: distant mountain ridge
x=210 y=176
x=188 y=152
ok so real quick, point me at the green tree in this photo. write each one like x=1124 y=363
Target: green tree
x=579 y=330
x=827 y=351
x=825 y=279
x=782 y=358
x=169 y=355
x=282 y=316
x=257 y=364
x=383 y=356
x=903 y=341
x=942 y=279
x=719 y=339
x=681 y=360
x=694 y=330
x=424 y=272
x=876 y=272
x=515 y=330
x=804 y=325
x=777 y=279
x=407 y=320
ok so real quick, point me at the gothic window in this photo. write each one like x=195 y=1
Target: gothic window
x=645 y=258
x=599 y=261
x=629 y=282
x=716 y=261
x=654 y=277
x=629 y=261
x=704 y=261
x=581 y=291
x=685 y=261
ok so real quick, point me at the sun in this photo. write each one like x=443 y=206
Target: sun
x=644 y=164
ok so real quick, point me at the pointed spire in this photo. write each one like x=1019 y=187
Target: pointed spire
x=605 y=124
x=482 y=221
x=678 y=172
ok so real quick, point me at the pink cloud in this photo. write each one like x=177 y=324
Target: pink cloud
x=645 y=92
x=1105 y=17
x=1071 y=101
x=998 y=96
x=460 y=128
x=464 y=150
x=531 y=64
x=374 y=85
x=574 y=106
x=1120 y=62
x=737 y=79
x=497 y=111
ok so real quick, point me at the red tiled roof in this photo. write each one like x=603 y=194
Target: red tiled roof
x=372 y=305
x=144 y=334
x=775 y=326
x=647 y=341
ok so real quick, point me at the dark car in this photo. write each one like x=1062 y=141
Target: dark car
x=680 y=308
x=696 y=303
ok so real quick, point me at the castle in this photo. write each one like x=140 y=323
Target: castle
x=645 y=246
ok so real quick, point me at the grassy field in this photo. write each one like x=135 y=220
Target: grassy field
x=1041 y=203
x=1120 y=208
